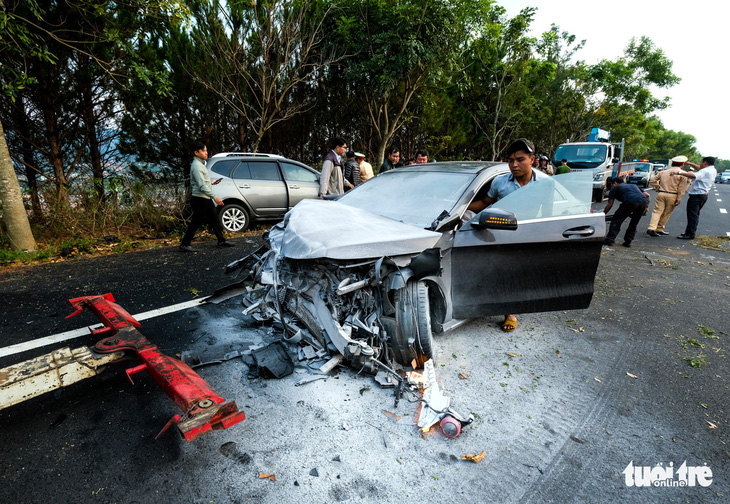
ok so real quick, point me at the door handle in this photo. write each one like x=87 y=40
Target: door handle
x=294 y=186
x=245 y=186
x=580 y=231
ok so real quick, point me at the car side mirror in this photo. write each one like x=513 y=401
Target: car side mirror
x=495 y=218
x=614 y=160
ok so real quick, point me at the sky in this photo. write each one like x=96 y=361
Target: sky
x=693 y=34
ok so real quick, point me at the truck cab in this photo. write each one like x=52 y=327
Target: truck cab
x=598 y=155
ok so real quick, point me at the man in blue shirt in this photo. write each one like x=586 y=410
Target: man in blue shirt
x=634 y=203
x=701 y=184
x=520 y=156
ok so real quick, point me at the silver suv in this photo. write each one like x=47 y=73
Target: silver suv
x=259 y=187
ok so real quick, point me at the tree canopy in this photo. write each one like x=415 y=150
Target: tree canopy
x=92 y=86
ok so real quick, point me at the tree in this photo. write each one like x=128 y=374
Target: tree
x=499 y=64
x=398 y=49
x=252 y=55
x=16 y=43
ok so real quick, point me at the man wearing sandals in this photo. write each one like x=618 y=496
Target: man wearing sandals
x=520 y=157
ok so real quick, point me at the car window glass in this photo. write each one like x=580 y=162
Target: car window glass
x=242 y=171
x=223 y=167
x=296 y=173
x=262 y=170
x=412 y=197
x=561 y=195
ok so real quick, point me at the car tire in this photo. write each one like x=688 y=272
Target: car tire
x=413 y=338
x=234 y=218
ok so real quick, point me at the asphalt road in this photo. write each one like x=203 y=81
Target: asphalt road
x=562 y=405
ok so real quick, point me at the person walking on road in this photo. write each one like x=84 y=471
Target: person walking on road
x=670 y=190
x=203 y=200
x=702 y=182
x=332 y=179
x=634 y=203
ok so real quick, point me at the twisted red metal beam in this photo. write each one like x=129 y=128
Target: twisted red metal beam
x=202 y=409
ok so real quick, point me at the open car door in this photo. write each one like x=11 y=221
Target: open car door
x=535 y=250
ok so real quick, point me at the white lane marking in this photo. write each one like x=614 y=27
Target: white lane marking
x=722 y=210
x=77 y=333
x=719 y=201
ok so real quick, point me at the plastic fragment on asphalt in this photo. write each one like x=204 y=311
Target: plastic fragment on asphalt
x=433 y=402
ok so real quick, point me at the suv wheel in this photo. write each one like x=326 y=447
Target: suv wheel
x=234 y=218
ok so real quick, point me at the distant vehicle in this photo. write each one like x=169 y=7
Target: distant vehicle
x=259 y=187
x=598 y=155
x=725 y=177
x=644 y=171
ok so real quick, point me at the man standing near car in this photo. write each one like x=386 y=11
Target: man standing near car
x=520 y=157
x=634 y=203
x=203 y=200
x=352 y=171
x=332 y=180
x=669 y=191
x=392 y=161
x=421 y=156
x=702 y=182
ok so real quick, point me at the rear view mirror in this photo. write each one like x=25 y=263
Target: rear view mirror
x=494 y=218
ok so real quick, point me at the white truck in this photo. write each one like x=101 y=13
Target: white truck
x=598 y=155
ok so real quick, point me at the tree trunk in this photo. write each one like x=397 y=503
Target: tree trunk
x=28 y=159
x=97 y=167
x=55 y=156
x=14 y=214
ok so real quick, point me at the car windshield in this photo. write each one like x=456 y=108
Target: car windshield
x=412 y=197
x=643 y=167
x=561 y=195
x=581 y=155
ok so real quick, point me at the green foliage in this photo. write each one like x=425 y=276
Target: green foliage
x=457 y=77
x=697 y=361
x=706 y=331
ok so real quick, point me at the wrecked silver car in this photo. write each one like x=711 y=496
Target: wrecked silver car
x=371 y=277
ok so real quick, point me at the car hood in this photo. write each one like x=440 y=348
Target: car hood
x=318 y=229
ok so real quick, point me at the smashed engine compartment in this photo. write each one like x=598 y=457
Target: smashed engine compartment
x=372 y=313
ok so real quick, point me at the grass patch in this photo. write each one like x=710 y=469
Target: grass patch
x=707 y=332
x=697 y=361
x=714 y=242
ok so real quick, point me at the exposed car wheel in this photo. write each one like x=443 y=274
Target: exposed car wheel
x=413 y=338
x=234 y=218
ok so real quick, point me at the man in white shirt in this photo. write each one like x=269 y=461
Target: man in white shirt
x=702 y=182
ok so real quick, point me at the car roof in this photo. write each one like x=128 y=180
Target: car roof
x=246 y=154
x=473 y=167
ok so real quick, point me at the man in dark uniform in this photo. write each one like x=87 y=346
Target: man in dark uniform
x=392 y=161
x=634 y=203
